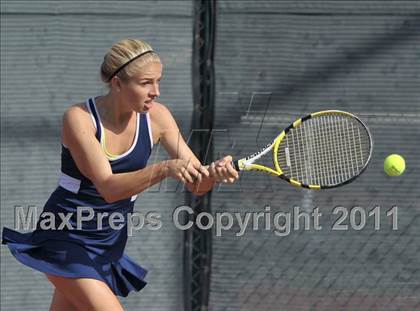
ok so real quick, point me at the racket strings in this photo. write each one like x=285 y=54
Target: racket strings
x=326 y=150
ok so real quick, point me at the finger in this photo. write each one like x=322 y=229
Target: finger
x=222 y=173
x=221 y=162
x=196 y=165
x=194 y=172
x=232 y=171
x=204 y=171
x=228 y=158
x=215 y=175
x=212 y=169
x=225 y=160
x=181 y=178
x=200 y=168
x=219 y=171
x=187 y=176
x=198 y=178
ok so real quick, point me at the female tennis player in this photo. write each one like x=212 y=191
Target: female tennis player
x=106 y=143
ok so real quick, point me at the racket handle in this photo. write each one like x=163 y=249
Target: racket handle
x=235 y=164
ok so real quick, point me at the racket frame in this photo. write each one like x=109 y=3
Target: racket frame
x=248 y=163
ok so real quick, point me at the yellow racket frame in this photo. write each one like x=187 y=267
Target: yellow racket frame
x=244 y=165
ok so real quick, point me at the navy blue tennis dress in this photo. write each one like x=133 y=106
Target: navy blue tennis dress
x=90 y=251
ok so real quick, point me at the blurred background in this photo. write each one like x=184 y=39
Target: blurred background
x=269 y=62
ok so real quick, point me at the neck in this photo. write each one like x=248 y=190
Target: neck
x=113 y=110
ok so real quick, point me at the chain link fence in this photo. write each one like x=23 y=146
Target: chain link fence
x=350 y=248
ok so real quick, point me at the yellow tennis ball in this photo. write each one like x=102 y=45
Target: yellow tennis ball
x=394 y=165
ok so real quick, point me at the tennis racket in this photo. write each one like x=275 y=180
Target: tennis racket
x=325 y=149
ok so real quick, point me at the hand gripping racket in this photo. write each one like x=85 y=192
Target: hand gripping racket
x=325 y=149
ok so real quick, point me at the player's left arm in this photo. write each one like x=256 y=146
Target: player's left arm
x=177 y=148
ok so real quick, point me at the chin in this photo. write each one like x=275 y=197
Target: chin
x=143 y=110
x=147 y=107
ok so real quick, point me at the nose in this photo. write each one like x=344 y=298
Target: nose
x=155 y=90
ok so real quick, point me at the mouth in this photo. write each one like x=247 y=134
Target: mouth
x=148 y=104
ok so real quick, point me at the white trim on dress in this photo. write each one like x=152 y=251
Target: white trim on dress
x=69 y=183
x=149 y=125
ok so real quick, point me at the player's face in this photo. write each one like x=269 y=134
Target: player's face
x=141 y=90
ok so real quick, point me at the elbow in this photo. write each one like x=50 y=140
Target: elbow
x=107 y=195
x=110 y=193
x=109 y=199
x=106 y=192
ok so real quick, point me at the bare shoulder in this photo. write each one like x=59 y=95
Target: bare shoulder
x=76 y=110
x=159 y=109
x=76 y=118
x=77 y=114
x=161 y=116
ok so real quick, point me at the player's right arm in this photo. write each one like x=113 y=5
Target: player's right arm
x=78 y=135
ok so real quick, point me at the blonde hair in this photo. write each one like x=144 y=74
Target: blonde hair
x=122 y=52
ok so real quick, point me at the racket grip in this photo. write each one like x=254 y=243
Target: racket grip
x=236 y=164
